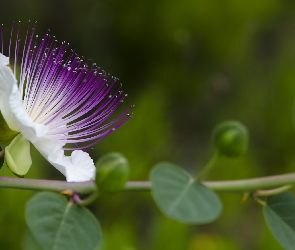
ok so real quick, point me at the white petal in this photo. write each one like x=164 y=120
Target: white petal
x=82 y=168
x=52 y=151
x=77 y=167
x=11 y=107
x=4 y=60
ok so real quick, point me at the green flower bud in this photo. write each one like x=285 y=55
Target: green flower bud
x=112 y=172
x=6 y=134
x=230 y=138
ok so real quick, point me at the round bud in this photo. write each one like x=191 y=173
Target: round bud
x=112 y=172
x=230 y=138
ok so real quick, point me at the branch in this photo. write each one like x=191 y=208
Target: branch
x=246 y=185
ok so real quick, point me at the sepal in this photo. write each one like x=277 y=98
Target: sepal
x=17 y=156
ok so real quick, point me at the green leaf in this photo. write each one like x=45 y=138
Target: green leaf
x=279 y=212
x=61 y=225
x=182 y=198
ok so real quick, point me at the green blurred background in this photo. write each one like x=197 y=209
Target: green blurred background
x=186 y=65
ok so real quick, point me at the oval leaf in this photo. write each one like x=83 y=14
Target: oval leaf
x=182 y=198
x=60 y=225
x=279 y=212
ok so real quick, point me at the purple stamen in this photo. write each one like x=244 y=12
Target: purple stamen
x=11 y=32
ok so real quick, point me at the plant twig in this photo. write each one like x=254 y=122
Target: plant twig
x=273 y=191
x=246 y=185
